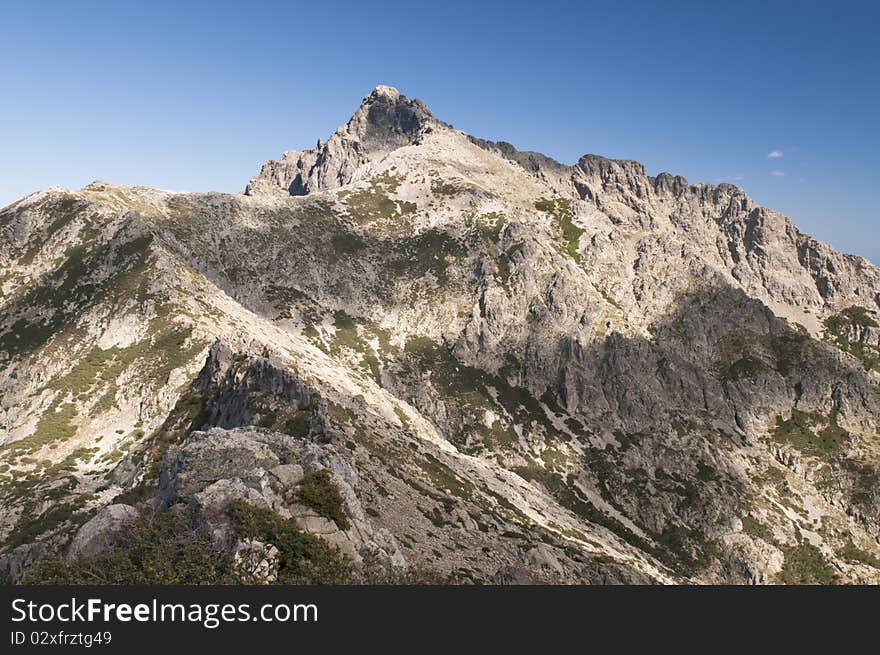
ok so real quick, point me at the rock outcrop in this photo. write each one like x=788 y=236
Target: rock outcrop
x=211 y=469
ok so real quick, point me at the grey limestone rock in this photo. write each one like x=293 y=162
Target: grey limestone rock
x=100 y=532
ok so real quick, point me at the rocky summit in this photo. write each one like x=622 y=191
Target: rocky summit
x=412 y=354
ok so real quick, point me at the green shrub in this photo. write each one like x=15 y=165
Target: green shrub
x=298 y=425
x=316 y=490
x=54 y=426
x=304 y=558
x=754 y=528
x=746 y=367
x=859 y=316
x=706 y=473
x=799 y=431
x=853 y=553
x=158 y=548
x=805 y=564
x=166 y=548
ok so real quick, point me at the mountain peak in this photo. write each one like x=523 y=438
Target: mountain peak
x=384 y=91
x=387 y=120
x=384 y=121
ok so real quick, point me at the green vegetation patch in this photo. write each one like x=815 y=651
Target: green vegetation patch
x=682 y=549
x=347 y=243
x=156 y=549
x=706 y=473
x=59 y=517
x=471 y=392
x=611 y=301
x=430 y=251
x=853 y=553
x=490 y=226
x=839 y=327
x=853 y=316
x=746 y=356
x=304 y=558
x=54 y=426
x=788 y=350
x=167 y=347
x=744 y=368
x=799 y=431
x=805 y=565
x=560 y=211
x=70 y=288
x=168 y=548
x=63 y=211
x=754 y=528
x=440 y=187
x=317 y=490
x=279 y=413
x=298 y=425
x=690 y=547
x=444 y=478
x=347 y=336
x=375 y=202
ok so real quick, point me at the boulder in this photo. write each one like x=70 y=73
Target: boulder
x=100 y=532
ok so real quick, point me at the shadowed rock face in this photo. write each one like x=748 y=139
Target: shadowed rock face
x=513 y=369
x=392 y=120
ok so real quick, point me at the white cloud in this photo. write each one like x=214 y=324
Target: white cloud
x=729 y=178
x=777 y=173
x=775 y=154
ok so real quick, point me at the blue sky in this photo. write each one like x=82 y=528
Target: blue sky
x=196 y=95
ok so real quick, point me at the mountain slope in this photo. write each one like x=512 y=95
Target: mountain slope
x=520 y=370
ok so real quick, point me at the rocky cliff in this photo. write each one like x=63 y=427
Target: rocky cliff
x=512 y=370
